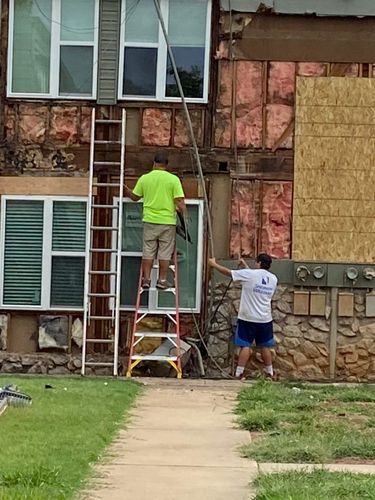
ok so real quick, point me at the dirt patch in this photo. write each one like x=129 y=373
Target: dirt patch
x=354 y=461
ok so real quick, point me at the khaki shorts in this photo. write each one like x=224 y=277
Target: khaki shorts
x=158 y=239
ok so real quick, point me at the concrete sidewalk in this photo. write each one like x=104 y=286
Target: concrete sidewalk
x=181 y=443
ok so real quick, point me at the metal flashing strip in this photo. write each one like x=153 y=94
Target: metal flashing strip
x=357 y=8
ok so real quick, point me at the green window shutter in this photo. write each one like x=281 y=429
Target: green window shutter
x=67 y=285
x=68 y=235
x=23 y=253
x=108 y=58
x=69 y=226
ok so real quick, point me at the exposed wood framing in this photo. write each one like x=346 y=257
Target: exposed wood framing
x=283 y=136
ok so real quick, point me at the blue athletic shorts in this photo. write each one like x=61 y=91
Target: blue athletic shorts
x=247 y=332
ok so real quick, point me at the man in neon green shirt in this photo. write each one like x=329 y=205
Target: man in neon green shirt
x=162 y=195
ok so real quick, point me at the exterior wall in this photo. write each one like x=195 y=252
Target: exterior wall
x=303 y=343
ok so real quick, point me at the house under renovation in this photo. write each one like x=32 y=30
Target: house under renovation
x=281 y=97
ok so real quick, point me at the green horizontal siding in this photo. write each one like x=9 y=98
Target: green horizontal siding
x=109 y=43
x=23 y=253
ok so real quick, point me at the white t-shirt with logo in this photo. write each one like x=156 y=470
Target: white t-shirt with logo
x=258 y=287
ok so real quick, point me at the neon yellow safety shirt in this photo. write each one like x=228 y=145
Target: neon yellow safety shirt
x=159 y=189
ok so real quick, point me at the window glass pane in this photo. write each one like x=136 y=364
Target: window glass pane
x=23 y=252
x=187 y=23
x=130 y=268
x=67 y=282
x=190 y=67
x=140 y=71
x=76 y=69
x=132 y=235
x=187 y=254
x=141 y=21
x=77 y=20
x=69 y=226
x=31 y=46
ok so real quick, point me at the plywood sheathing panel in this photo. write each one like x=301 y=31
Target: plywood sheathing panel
x=334 y=195
x=44 y=186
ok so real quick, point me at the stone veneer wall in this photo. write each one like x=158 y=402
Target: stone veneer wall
x=49 y=363
x=303 y=342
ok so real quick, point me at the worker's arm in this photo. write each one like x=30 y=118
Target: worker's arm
x=223 y=270
x=181 y=206
x=129 y=193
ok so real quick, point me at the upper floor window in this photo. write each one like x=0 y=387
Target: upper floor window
x=53 y=48
x=145 y=68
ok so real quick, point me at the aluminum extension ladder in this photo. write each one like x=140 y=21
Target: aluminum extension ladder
x=101 y=322
x=171 y=339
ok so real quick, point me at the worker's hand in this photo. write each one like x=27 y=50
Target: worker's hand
x=243 y=264
x=212 y=262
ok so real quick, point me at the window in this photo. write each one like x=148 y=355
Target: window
x=53 y=48
x=146 y=71
x=43 y=243
x=189 y=262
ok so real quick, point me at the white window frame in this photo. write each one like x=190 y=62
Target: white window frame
x=153 y=294
x=161 y=66
x=47 y=255
x=56 y=43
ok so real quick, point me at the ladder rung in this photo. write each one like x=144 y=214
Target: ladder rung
x=107 y=142
x=105 y=206
x=172 y=289
x=102 y=295
x=104 y=228
x=94 y=363
x=102 y=250
x=101 y=120
x=155 y=335
x=102 y=273
x=107 y=163
x=150 y=357
x=101 y=317
x=105 y=184
x=99 y=341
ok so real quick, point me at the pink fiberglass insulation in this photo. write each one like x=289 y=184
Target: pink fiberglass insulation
x=10 y=122
x=85 y=132
x=249 y=84
x=281 y=83
x=311 y=69
x=276 y=219
x=181 y=133
x=225 y=84
x=223 y=127
x=279 y=117
x=64 y=124
x=249 y=127
x=156 y=127
x=249 y=104
x=243 y=220
x=32 y=124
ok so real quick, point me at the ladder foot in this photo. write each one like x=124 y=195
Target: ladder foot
x=128 y=374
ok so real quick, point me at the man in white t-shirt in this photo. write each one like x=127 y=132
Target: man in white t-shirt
x=255 y=314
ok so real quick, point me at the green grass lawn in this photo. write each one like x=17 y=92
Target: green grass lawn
x=47 y=450
x=306 y=423
x=317 y=485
